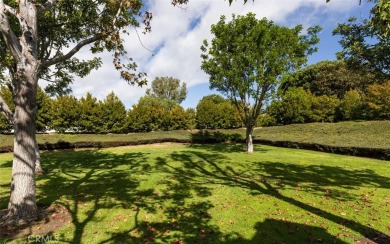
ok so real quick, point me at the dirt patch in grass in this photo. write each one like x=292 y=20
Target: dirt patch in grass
x=50 y=219
x=158 y=145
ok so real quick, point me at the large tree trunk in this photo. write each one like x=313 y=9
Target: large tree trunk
x=249 y=142
x=22 y=205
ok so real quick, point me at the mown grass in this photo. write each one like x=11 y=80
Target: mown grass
x=7 y=140
x=213 y=194
x=365 y=134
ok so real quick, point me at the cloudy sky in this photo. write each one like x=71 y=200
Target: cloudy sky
x=177 y=34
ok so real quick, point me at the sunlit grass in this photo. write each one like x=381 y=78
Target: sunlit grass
x=213 y=193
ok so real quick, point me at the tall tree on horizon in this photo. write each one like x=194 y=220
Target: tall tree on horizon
x=168 y=88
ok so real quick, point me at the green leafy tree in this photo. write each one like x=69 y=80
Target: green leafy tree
x=168 y=88
x=113 y=114
x=378 y=101
x=153 y=114
x=366 y=44
x=247 y=58
x=90 y=115
x=324 y=108
x=207 y=112
x=330 y=78
x=180 y=119
x=65 y=114
x=296 y=106
x=352 y=106
x=380 y=16
x=191 y=116
x=44 y=108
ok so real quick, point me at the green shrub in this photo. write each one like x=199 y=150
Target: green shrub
x=351 y=107
x=323 y=108
x=296 y=106
x=215 y=112
x=378 y=101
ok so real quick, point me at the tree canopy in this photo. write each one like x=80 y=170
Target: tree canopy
x=366 y=44
x=329 y=78
x=216 y=112
x=247 y=58
x=168 y=88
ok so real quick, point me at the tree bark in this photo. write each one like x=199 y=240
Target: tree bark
x=249 y=141
x=22 y=205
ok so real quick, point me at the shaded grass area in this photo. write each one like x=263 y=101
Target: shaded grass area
x=213 y=194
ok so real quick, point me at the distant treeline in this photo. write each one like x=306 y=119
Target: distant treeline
x=324 y=92
x=329 y=92
x=89 y=115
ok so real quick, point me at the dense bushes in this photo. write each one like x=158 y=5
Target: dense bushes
x=298 y=105
x=89 y=115
x=67 y=113
x=153 y=114
x=292 y=106
x=215 y=112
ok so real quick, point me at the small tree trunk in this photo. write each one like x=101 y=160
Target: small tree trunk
x=22 y=205
x=249 y=142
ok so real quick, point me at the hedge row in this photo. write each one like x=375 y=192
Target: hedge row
x=206 y=137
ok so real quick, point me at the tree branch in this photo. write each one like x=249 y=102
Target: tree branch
x=9 y=9
x=72 y=52
x=4 y=109
x=9 y=36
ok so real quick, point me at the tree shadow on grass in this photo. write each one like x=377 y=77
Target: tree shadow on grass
x=209 y=172
x=7 y=164
x=319 y=179
x=79 y=179
x=89 y=181
x=279 y=231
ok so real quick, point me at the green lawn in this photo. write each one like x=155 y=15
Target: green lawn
x=213 y=193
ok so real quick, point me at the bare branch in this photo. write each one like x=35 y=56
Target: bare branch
x=47 y=6
x=4 y=109
x=75 y=49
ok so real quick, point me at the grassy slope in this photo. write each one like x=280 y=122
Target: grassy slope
x=213 y=193
x=368 y=134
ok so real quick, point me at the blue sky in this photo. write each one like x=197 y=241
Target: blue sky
x=177 y=34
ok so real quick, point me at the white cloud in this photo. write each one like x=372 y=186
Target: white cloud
x=176 y=43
